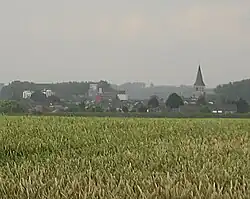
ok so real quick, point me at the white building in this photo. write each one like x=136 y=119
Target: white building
x=93 y=90
x=48 y=92
x=27 y=94
x=93 y=86
x=122 y=97
x=100 y=91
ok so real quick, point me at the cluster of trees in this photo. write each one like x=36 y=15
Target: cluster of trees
x=139 y=90
x=40 y=97
x=65 y=90
x=174 y=101
x=82 y=107
x=12 y=106
x=237 y=93
x=233 y=91
x=242 y=106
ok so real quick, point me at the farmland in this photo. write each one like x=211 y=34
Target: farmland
x=67 y=157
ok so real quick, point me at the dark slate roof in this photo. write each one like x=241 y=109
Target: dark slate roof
x=199 y=79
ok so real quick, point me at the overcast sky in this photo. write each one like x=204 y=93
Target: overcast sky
x=162 y=41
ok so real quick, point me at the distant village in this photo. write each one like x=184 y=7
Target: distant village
x=99 y=100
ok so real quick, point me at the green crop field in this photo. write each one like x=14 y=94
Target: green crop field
x=60 y=157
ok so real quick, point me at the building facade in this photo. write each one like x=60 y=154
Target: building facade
x=48 y=92
x=27 y=94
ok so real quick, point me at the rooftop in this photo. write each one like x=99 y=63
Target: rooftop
x=199 y=79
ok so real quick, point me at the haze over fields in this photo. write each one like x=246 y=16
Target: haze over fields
x=143 y=40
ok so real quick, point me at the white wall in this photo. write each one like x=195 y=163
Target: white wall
x=123 y=97
x=48 y=93
x=27 y=94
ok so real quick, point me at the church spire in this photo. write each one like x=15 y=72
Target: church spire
x=199 y=79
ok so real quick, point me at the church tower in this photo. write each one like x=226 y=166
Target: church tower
x=199 y=84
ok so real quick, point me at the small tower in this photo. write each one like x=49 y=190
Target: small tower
x=199 y=84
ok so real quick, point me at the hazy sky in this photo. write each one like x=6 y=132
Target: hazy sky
x=132 y=40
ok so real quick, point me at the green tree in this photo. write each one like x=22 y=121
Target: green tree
x=242 y=106
x=38 y=96
x=125 y=109
x=201 y=100
x=73 y=108
x=142 y=108
x=98 y=108
x=234 y=90
x=64 y=90
x=53 y=99
x=174 y=101
x=82 y=106
x=12 y=106
x=153 y=102
x=205 y=109
x=5 y=106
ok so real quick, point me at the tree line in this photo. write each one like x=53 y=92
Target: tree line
x=233 y=91
x=173 y=102
x=64 y=90
x=237 y=93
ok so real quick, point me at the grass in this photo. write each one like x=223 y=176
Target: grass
x=59 y=157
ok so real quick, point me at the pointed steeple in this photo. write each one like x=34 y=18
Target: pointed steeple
x=199 y=79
